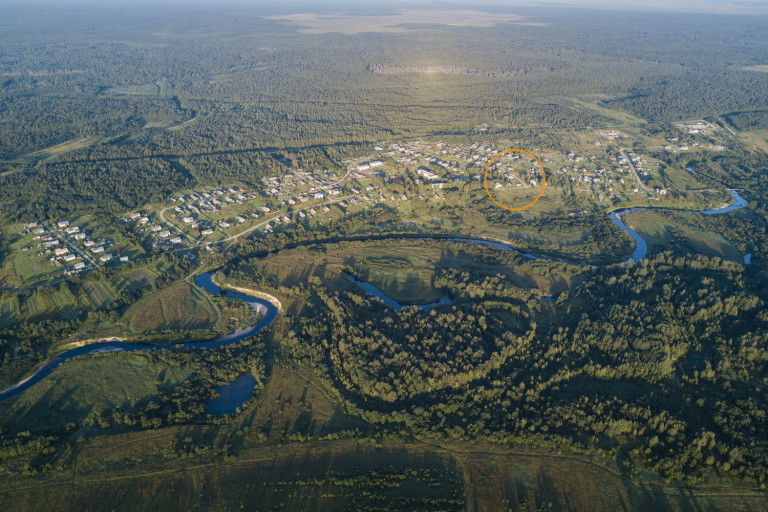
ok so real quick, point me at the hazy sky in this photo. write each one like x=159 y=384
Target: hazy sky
x=691 y=6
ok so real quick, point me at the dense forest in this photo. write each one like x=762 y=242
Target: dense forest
x=656 y=372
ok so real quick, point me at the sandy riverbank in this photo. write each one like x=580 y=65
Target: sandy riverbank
x=248 y=291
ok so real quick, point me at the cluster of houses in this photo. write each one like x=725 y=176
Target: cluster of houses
x=71 y=247
x=297 y=186
x=440 y=162
x=159 y=233
x=197 y=210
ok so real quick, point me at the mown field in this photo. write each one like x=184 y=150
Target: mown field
x=23 y=266
x=180 y=306
x=8 y=311
x=67 y=302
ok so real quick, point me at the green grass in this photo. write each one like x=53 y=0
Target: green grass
x=56 y=302
x=36 y=305
x=98 y=294
x=347 y=474
x=136 y=470
x=65 y=304
x=404 y=269
x=662 y=233
x=134 y=279
x=81 y=389
x=9 y=311
x=58 y=149
x=25 y=267
x=180 y=306
x=758 y=139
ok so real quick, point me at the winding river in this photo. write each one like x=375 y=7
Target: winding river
x=641 y=247
x=270 y=311
x=389 y=302
x=266 y=308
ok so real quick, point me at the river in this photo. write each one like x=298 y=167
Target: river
x=269 y=311
x=641 y=247
x=375 y=292
x=266 y=308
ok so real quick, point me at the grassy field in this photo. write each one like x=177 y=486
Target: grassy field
x=757 y=139
x=9 y=310
x=24 y=266
x=404 y=269
x=342 y=475
x=179 y=306
x=67 y=303
x=27 y=265
x=81 y=389
x=660 y=230
x=134 y=279
x=99 y=294
x=183 y=306
x=58 y=149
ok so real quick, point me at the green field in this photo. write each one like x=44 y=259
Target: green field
x=180 y=306
x=23 y=266
x=134 y=279
x=357 y=473
x=82 y=389
x=9 y=310
x=561 y=377
x=405 y=269
x=662 y=231
x=98 y=293
x=39 y=304
x=58 y=149
x=65 y=304
x=70 y=302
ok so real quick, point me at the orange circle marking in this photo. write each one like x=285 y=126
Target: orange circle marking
x=543 y=177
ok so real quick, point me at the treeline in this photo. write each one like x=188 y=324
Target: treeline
x=210 y=367
x=289 y=89
x=52 y=191
x=247 y=167
x=754 y=120
x=30 y=123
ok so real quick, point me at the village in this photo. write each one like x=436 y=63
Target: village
x=400 y=175
x=396 y=174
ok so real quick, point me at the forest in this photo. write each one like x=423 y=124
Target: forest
x=556 y=347
x=664 y=341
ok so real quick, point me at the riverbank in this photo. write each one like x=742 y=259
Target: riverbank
x=248 y=291
x=92 y=341
x=268 y=309
x=641 y=246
